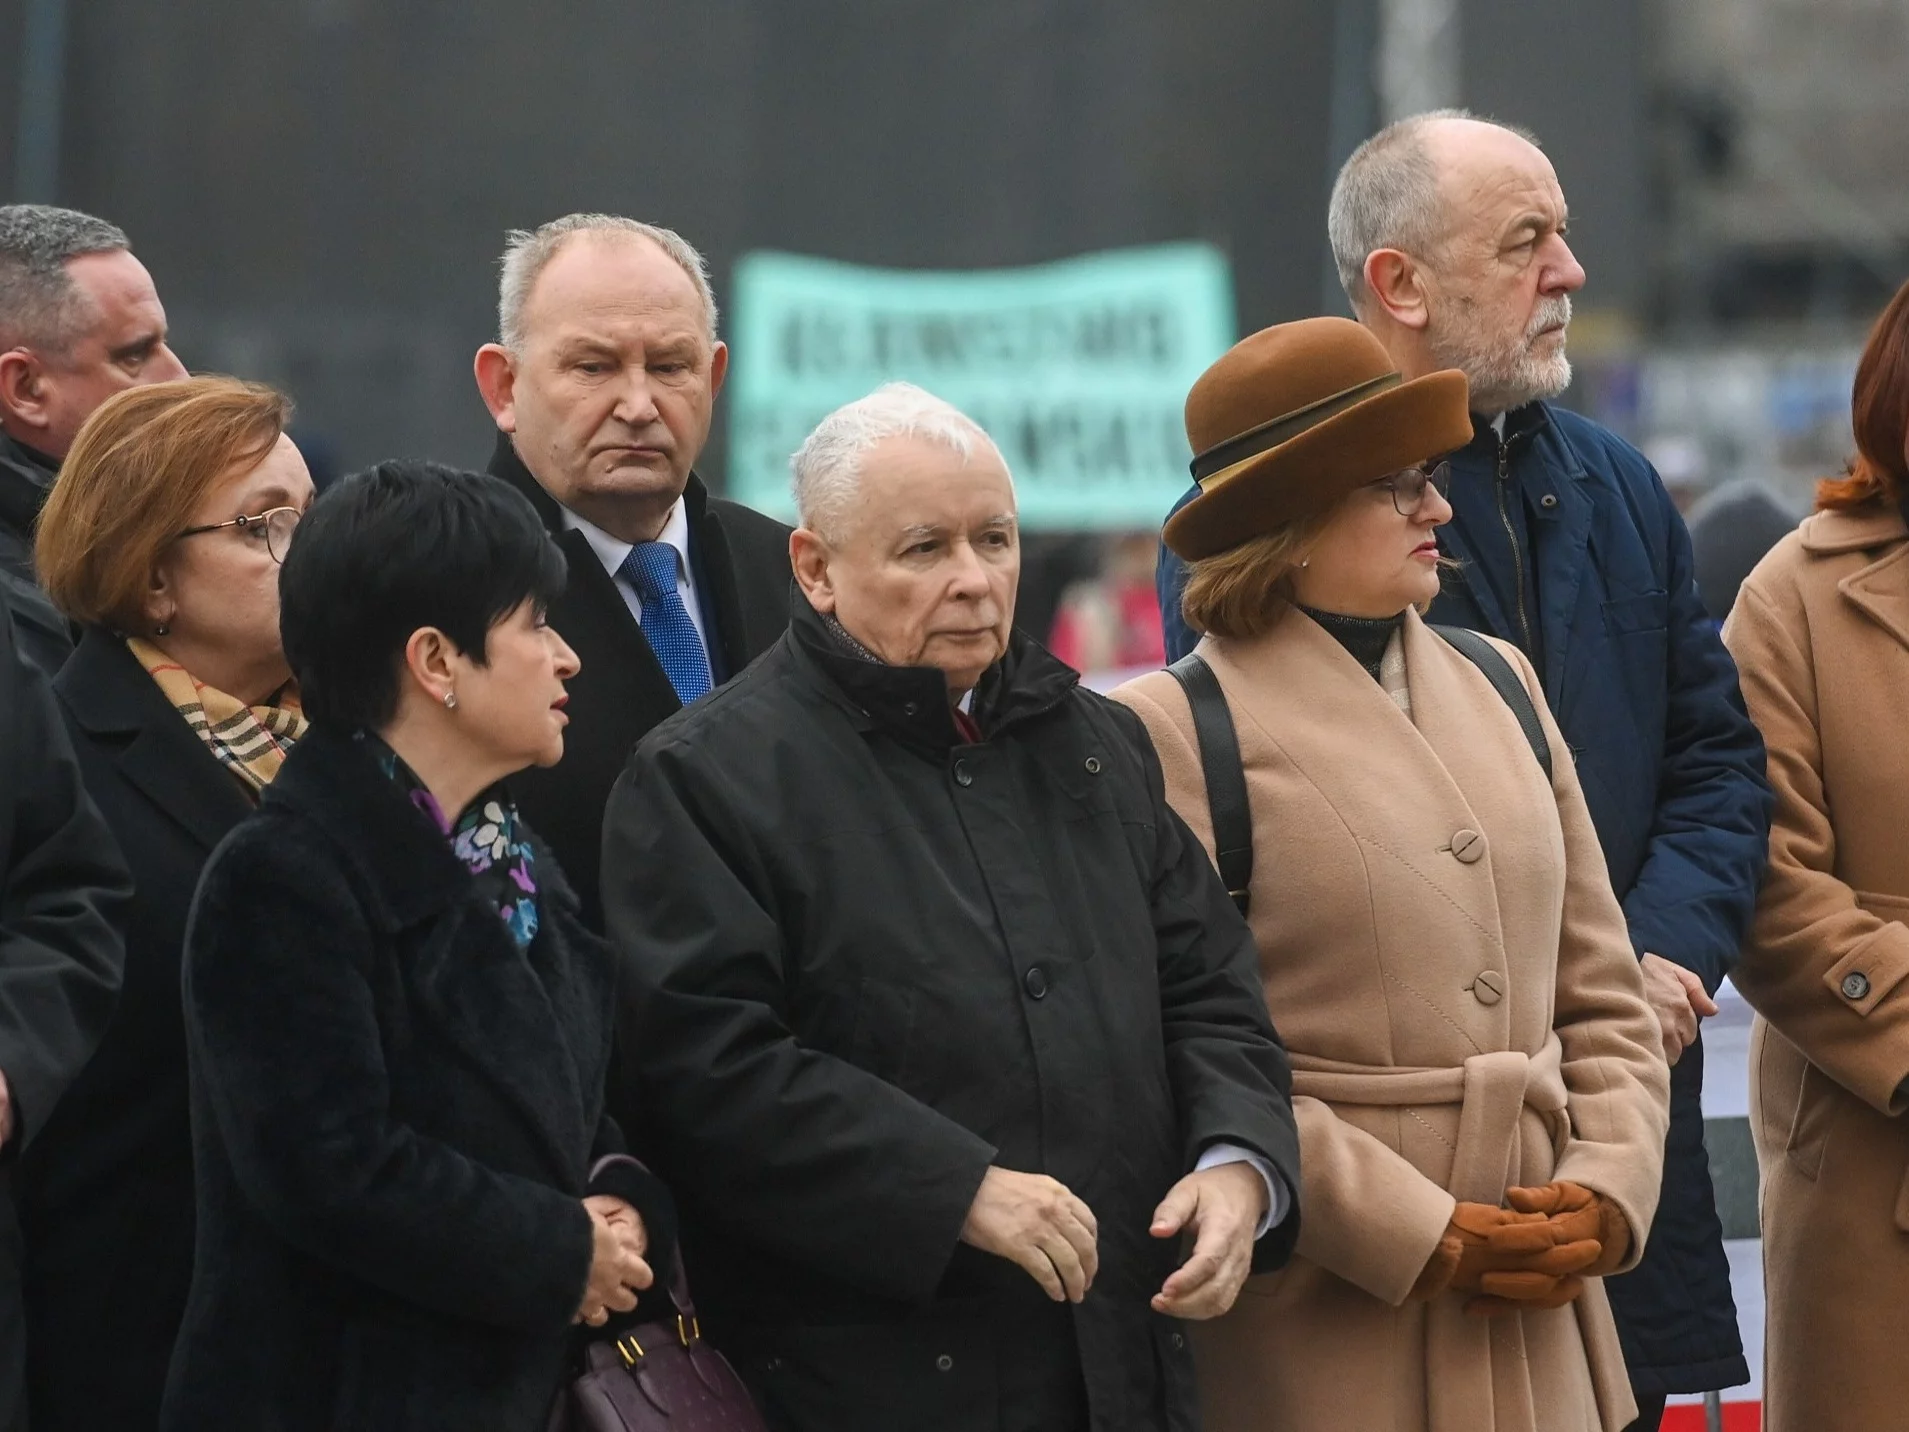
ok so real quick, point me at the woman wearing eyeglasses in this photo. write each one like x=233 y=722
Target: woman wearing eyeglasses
x=162 y=537
x=1479 y=1084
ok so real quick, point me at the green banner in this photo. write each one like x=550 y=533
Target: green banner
x=1079 y=370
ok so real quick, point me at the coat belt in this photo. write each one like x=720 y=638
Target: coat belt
x=1461 y=1352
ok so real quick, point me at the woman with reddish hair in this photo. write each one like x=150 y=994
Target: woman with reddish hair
x=1820 y=632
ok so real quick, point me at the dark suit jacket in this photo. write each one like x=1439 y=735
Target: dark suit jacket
x=45 y=638
x=63 y=890
x=741 y=561
x=106 y=1191
x=395 y=1112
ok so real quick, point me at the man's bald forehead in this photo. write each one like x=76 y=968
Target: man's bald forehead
x=575 y=258
x=1455 y=145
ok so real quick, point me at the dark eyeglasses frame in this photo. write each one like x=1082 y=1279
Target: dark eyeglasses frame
x=1408 y=485
x=246 y=523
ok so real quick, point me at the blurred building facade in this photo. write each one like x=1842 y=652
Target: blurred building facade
x=322 y=186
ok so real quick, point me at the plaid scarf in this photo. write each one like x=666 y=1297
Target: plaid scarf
x=249 y=741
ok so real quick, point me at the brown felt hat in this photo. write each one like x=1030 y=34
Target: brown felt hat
x=1292 y=419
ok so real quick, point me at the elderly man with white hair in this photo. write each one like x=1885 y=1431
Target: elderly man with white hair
x=1448 y=232
x=952 y=1035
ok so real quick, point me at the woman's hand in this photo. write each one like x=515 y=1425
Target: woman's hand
x=617 y=1269
x=617 y=1211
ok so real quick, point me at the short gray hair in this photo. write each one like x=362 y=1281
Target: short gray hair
x=827 y=468
x=40 y=305
x=528 y=251
x=1386 y=197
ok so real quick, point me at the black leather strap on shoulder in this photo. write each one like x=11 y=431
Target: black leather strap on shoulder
x=1489 y=660
x=1225 y=776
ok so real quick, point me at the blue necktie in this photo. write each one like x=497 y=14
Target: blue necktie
x=651 y=569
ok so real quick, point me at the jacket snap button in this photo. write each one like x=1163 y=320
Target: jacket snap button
x=1489 y=987
x=910 y=708
x=944 y=1363
x=963 y=776
x=1855 y=985
x=1036 y=983
x=1468 y=846
x=1179 y=1342
x=1093 y=765
x=1550 y=499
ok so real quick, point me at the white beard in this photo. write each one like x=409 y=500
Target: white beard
x=1503 y=373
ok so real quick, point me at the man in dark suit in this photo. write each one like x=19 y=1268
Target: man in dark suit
x=65 y=889
x=602 y=383
x=79 y=320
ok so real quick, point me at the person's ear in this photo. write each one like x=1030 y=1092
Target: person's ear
x=23 y=390
x=1396 y=284
x=431 y=662
x=157 y=604
x=496 y=370
x=809 y=556
x=718 y=368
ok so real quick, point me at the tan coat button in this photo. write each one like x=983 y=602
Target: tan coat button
x=1468 y=846
x=1855 y=985
x=1489 y=987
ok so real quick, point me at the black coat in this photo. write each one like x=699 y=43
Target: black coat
x=742 y=582
x=60 y=950
x=865 y=961
x=106 y=1192
x=26 y=477
x=394 y=1115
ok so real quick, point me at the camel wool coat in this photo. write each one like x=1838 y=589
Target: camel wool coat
x=1819 y=632
x=1441 y=948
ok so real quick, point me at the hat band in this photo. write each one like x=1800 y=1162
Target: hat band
x=1266 y=436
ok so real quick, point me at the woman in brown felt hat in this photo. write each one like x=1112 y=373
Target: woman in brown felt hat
x=1480 y=1086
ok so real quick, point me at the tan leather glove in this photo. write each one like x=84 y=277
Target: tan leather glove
x=1496 y=1242
x=1577 y=1213
x=1524 y=1293
x=1500 y=1252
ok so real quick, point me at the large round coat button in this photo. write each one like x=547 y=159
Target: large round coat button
x=1035 y=983
x=944 y=1363
x=1489 y=987
x=963 y=776
x=1468 y=846
x=1855 y=985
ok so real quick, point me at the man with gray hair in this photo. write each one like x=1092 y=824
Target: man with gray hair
x=950 y=1039
x=602 y=383
x=1449 y=235
x=79 y=320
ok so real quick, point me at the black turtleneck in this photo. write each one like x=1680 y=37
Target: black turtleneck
x=1366 y=638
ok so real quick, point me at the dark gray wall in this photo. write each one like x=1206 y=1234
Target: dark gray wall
x=321 y=186
x=1573 y=71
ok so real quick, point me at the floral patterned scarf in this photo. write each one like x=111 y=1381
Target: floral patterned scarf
x=249 y=741
x=488 y=837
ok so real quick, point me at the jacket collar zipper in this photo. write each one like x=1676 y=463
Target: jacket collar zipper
x=1511 y=536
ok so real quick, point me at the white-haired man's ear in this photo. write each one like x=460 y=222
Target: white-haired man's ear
x=1396 y=284
x=809 y=559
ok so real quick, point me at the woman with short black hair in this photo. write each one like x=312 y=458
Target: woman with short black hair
x=398 y=1027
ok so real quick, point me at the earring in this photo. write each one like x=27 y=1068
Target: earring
x=161 y=630
x=1305 y=561
x=450 y=701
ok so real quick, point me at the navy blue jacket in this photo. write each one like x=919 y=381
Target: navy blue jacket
x=1572 y=549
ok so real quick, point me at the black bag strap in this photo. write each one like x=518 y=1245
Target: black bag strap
x=1489 y=660
x=1225 y=775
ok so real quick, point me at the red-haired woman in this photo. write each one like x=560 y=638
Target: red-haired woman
x=1820 y=632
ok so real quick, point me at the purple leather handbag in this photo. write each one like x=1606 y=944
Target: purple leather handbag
x=660 y=1377
x=657 y=1377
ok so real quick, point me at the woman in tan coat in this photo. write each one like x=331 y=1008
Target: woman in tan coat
x=1819 y=632
x=1438 y=939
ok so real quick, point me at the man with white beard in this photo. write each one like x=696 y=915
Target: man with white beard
x=1449 y=236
